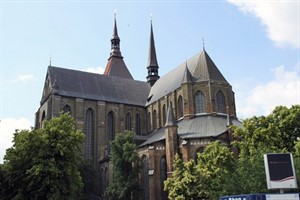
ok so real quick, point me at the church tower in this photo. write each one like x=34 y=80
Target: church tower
x=152 y=61
x=116 y=65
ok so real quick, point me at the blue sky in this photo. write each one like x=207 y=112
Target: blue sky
x=255 y=44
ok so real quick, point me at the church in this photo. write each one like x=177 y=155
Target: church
x=180 y=112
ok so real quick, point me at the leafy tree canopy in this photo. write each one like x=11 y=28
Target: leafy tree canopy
x=125 y=159
x=42 y=163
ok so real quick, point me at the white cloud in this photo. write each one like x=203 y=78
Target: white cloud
x=7 y=129
x=281 y=19
x=283 y=89
x=22 y=78
x=97 y=70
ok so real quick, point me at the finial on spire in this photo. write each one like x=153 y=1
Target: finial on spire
x=50 y=60
x=203 y=43
x=151 y=18
x=115 y=12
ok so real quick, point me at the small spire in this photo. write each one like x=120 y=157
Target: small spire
x=170 y=121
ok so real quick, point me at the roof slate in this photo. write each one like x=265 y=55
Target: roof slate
x=201 y=67
x=79 y=84
x=198 y=127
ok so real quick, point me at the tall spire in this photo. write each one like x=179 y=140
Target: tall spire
x=152 y=60
x=115 y=40
x=116 y=65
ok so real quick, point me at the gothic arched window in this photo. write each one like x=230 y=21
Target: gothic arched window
x=149 y=121
x=199 y=99
x=128 y=122
x=164 y=113
x=221 y=104
x=138 y=124
x=180 y=107
x=89 y=134
x=163 y=177
x=154 y=120
x=145 y=178
x=67 y=109
x=111 y=126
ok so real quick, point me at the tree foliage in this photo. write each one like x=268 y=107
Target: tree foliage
x=43 y=163
x=125 y=160
x=218 y=173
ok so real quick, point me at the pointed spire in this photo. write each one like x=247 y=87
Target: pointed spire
x=187 y=76
x=152 y=60
x=115 y=40
x=116 y=65
x=170 y=121
x=115 y=30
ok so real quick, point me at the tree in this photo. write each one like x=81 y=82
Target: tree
x=218 y=162
x=125 y=160
x=206 y=179
x=276 y=132
x=43 y=163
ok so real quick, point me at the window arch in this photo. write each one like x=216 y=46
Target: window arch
x=163 y=177
x=164 y=114
x=154 y=120
x=149 y=121
x=145 y=178
x=128 y=122
x=221 y=104
x=138 y=124
x=180 y=107
x=111 y=126
x=89 y=134
x=67 y=109
x=200 y=103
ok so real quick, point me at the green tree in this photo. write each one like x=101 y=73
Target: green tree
x=276 y=132
x=206 y=179
x=125 y=160
x=218 y=162
x=43 y=163
x=187 y=181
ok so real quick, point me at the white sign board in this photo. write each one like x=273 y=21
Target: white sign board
x=280 y=172
x=282 y=196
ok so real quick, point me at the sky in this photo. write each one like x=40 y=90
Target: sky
x=255 y=44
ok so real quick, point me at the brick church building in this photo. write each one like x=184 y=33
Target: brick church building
x=180 y=112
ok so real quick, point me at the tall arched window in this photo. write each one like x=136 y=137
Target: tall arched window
x=149 y=122
x=154 y=120
x=138 y=124
x=89 y=134
x=110 y=126
x=180 y=107
x=164 y=114
x=163 y=177
x=199 y=99
x=145 y=178
x=128 y=122
x=67 y=109
x=221 y=104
